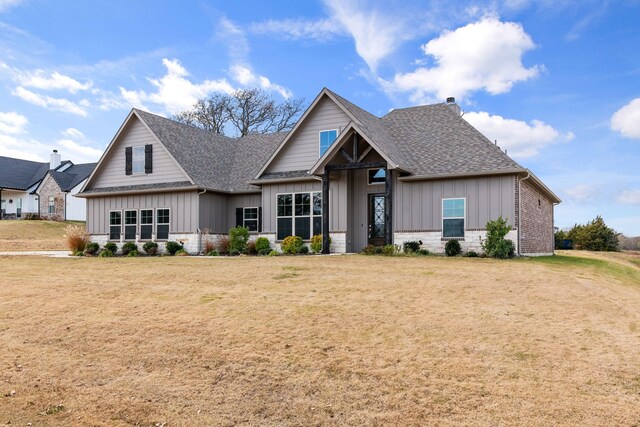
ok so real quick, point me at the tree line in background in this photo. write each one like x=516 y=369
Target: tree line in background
x=243 y=112
x=592 y=236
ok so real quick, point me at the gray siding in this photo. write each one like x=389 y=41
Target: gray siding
x=303 y=149
x=112 y=174
x=183 y=206
x=337 y=201
x=418 y=205
x=213 y=212
x=240 y=201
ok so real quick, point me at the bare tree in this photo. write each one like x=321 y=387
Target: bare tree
x=246 y=111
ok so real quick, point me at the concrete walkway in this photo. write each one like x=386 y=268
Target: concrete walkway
x=53 y=254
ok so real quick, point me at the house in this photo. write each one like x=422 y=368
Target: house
x=44 y=189
x=420 y=173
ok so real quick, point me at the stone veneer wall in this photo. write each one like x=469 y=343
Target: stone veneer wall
x=51 y=188
x=432 y=240
x=536 y=218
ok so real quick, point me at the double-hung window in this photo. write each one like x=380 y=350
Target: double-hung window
x=146 y=224
x=115 y=224
x=250 y=218
x=326 y=139
x=299 y=214
x=162 y=224
x=453 y=211
x=138 y=159
x=52 y=204
x=130 y=224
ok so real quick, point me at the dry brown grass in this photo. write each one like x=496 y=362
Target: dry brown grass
x=349 y=340
x=33 y=235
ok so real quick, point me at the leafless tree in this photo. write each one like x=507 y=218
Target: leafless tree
x=245 y=111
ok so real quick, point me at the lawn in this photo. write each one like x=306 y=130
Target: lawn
x=33 y=235
x=319 y=340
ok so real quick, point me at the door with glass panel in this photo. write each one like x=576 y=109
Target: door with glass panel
x=376 y=219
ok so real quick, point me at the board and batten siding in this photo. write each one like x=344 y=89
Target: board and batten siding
x=112 y=171
x=213 y=212
x=337 y=201
x=303 y=149
x=182 y=205
x=418 y=204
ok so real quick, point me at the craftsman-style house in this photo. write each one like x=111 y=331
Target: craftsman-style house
x=420 y=173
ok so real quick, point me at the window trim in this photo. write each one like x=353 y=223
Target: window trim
x=464 y=218
x=119 y=225
x=320 y=153
x=376 y=183
x=125 y=225
x=256 y=219
x=156 y=223
x=311 y=216
x=135 y=148
x=140 y=224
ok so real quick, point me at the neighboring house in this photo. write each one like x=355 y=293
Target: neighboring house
x=45 y=189
x=420 y=173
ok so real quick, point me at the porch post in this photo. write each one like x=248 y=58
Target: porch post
x=388 y=207
x=325 y=212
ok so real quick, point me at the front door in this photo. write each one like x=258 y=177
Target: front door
x=376 y=219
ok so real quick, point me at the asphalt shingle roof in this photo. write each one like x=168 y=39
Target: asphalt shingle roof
x=18 y=174
x=138 y=187
x=73 y=175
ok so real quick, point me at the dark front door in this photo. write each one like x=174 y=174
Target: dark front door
x=376 y=219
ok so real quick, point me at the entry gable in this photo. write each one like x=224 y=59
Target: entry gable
x=300 y=150
x=154 y=163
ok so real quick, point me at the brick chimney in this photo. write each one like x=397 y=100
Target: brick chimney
x=54 y=160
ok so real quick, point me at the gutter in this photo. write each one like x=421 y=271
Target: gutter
x=124 y=193
x=461 y=175
x=282 y=180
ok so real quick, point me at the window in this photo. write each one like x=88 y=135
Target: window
x=299 y=214
x=250 y=218
x=453 y=218
x=52 y=205
x=130 y=224
x=115 y=222
x=138 y=159
x=146 y=224
x=326 y=139
x=377 y=176
x=162 y=224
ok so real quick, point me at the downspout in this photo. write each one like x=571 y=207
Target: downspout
x=520 y=211
x=1 y=199
x=198 y=231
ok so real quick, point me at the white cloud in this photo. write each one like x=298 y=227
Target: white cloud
x=72 y=133
x=519 y=138
x=627 y=120
x=320 y=30
x=52 y=81
x=246 y=77
x=12 y=123
x=174 y=91
x=630 y=197
x=8 y=4
x=77 y=152
x=485 y=55
x=59 y=104
x=583 y=192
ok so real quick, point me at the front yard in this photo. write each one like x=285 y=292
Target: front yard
x=331 y=340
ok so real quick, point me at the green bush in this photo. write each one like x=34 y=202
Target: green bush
x=132 y=253
x=594 y=236
x=389 y=250
x=182 y=252
x=150 y=248
x=91 y=248
x=472 y=254
x=213 y=253
x=238 y=238
x=106 y=253
x=495 y=245
x=129 y=247
x=452 y=248
x=112 y=247
x=373 y=250
x=292 y=244
x=263 y=246
x=172 y=247
x=411 y=247
x=274 y=253
x=316 y=243
x=423 y=251
x=304 y=250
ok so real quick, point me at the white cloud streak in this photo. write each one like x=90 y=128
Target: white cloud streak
x=485 y=55
x=8 y=4
x=630 y=197
x=627 y=120
x=58 y=104
x=321 y=30
x=52 y=81
x=520 y=139
x=12 y=123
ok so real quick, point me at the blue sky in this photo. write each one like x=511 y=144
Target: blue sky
x=556 y=83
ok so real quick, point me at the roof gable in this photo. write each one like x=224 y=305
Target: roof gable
x=18 y=174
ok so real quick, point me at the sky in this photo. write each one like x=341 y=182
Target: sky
x=555 y=83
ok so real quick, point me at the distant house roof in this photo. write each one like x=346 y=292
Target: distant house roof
x=18 y=174
x=72 y=176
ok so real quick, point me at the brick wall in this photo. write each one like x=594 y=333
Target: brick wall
x=536 y=220
x=51 y=188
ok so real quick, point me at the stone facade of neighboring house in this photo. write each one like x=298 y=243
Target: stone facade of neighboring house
x=420 y=173
x=51 y=200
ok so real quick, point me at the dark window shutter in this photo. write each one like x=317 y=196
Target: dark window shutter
x=128 y=162
x=239 y=217
x=148 y=158
x=259 y=219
